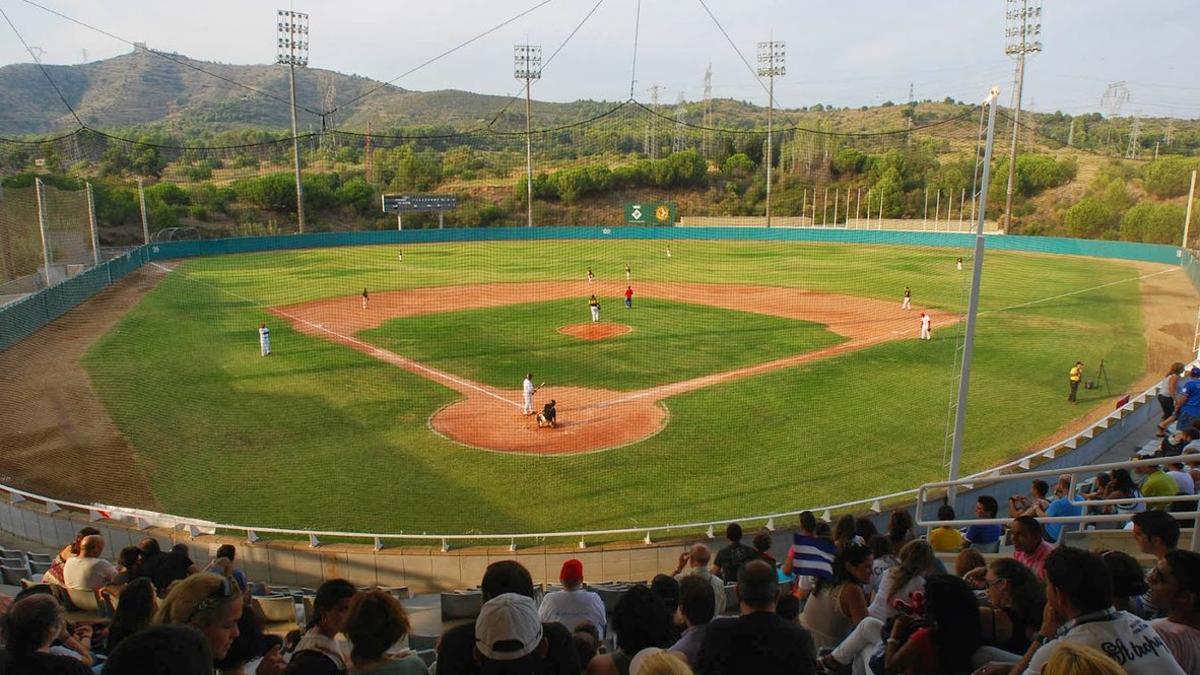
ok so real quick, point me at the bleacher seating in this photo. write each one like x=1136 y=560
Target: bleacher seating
x=461 y=604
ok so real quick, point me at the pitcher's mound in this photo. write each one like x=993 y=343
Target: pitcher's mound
x=594 y=331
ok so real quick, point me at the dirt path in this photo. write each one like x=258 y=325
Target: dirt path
x=57 y=437
x=591 y=419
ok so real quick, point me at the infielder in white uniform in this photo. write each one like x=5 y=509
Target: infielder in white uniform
x=591 y=277
x=906 y=303
x=926 y=334
x=527 y=391
x=366 y=299
x=264 y=339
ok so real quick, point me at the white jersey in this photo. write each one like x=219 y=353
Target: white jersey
x=925 y=322
x=527 y=387
x=264 y=340
x=1128 y=640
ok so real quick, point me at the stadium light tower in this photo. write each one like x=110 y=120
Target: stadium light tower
x=527 y=65
x=1022 y=36
x=292 y=44
x=771 y=59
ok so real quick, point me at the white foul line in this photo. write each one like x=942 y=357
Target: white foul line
x=1083 y=290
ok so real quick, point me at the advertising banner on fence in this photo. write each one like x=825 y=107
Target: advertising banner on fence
x=650 y=213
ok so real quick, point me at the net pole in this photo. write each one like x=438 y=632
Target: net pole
x=142 y=205
x=41 y=213
x=964 y=378
x=1187 y=219
x=91 y=204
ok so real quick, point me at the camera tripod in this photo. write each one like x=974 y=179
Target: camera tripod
x=1104 y=373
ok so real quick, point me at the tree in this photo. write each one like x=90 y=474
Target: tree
x=738 y=166
x=1088 y=218
x=891 y=186
x=1168 y=176
x=1153 y=223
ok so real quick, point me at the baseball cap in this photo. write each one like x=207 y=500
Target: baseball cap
x=572 y=571
x=508 y=627
x=1195 y=371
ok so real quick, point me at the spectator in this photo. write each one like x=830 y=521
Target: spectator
x=1184 y=483
x=1156 y=484
x=788 y=608
x=1175 y=587
x=252 y=646
x=762 y=547
x=318 y=651
x=1079 y=610
x=945 y=539
x=162 y=650
x=666 y=588
x=695 y=559
x=31 y=626
x=222 y=567
x=88 y=571
x=1187 y=401
x=838 y=604
x=758 y=641
x=883 y=558
x=208 y=602
x=731 y=558
x=1016 y=600
x=985 y=507
x=1020 y=505
x=949 y=634
x=1095 y=488
x=134 y=612
x=1060 y=507
x=586 y=639
x=1074 y=659
x=229 y=552
x=165 y=568
x=1128 y=580
x=1122 y=487
x=901 y=581
x=457 y=646
x=54 y=575
x=1168 y=389
x=968 y=559
x=1155 y=533
x=900 y=529
x=845 y=532
x=1029 y=547
x=573 y=605
x=640 y=620
x=696 y=610
x=1183 y=441
x=654 y=661
x=865 y=529
x=376 y=621
x=129 y=562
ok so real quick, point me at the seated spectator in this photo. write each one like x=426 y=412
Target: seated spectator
x=985 y=507
x=803 y=583
x=1156 y=533
x=229 y=552
x=456 y=649
x=1022 y=505
x=31 y=626
x=1095 y=488
x=695 y=560
x=1079 y=609
x=1069 y=658
x=900 y=529
x=1060 y=507
x=251 y=646
x=318 y=651
x=586 y=639
x=1175 y=587
x=900 y=582
x=1128 y=580
x=666 y=587
x=574 y=604
x=1122 y=487
x=1030 y=548
x=865 y=528
x=788 y=608
x=208 y=602
x=165 y=569
x=968 y=559
x=162 y=650
x=654 y=661
x=88 y=571
x=1184 y=482
x=758 y=641
x=376 y=621
x=837 y=605
x=55 y=574
x=1016 y=600
x=639 y=620
x=945 y=539
x=1156 y=484
x=944 y=639
x=883 y=558
x=129 y=562
x=1181 y=442
x=730 y=559
x=845 y=532
x=134 y=612
x=762 y=547
x=222 y=567
x=696 y=610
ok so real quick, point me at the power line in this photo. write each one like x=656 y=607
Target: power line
x=637 y=25
x=734 y=46
x=42 y=68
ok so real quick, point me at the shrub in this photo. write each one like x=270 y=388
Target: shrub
x=1088 y=218
x=1153 y=223
x=1168 y=176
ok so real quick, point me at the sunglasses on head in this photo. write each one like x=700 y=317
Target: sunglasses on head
x=220 y=593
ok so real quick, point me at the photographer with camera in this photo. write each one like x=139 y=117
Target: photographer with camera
x=1076 y=375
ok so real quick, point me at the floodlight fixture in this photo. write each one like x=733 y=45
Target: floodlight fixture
x=292 y=38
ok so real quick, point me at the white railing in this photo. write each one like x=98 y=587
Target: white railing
x=1084 y=517
x=143 y=519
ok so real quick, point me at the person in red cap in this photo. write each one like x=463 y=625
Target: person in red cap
x=574 y=604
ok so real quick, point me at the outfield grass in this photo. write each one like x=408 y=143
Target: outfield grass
x=321 y=436
x=670 y=342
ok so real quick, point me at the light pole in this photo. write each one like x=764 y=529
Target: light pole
x=292 y=50
x=1024 y=18
x=527 y=65
x=771 y=59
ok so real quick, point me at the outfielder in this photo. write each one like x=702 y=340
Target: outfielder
x=926 y=334
x=959 y=264
x=906 y=303
x=366 y=299
x=594 y=305
x=527 y=391
x=628 y=272
x=591 y=277
x=264 y=339
x=668 y=251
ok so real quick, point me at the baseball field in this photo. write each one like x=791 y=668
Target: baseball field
x=747 y=378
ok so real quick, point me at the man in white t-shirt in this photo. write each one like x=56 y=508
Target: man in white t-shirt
x=1079 y=609
x=1175 y=586
x=88 y=571
x=573 y=605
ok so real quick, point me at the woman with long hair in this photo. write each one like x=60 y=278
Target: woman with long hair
x=916 y=562
x=1167 y=390
x=837 y=605
x=134 y=611
x=900 y=529
x=210 y=603
x=944 y=639
x=318 y=650
x=1122 y=487
x=54 y=575
x=31 y=626
x=845 y=532
x=1017 y=601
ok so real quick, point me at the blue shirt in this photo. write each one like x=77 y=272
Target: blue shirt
x=1192 y=406
x=1060 y=507
x=984 y=534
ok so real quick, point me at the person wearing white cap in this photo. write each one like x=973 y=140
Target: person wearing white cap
x=508 y=635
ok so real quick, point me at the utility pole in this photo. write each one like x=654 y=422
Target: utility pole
x=1024 y=19
x=771 y=64
x=707 y=123
x=527 y=65
x=292 y=51
x=650 y=145
x=1187 y=219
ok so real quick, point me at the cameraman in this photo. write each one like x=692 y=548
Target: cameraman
x=1076 y=376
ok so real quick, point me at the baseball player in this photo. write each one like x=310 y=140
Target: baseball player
x=629 y=297
x=906 y=303
x=594 y=305
x=668 y=251
x=366 y=299
x=549 y=415
x=628 y=273
x=527 y=391
x=264 y=339
x=591 y=277
x=959 y=264
x=925 y=332
x=399 y=256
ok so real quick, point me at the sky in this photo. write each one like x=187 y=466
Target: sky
x=848 y=53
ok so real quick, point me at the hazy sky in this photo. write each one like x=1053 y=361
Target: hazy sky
x=853 y=52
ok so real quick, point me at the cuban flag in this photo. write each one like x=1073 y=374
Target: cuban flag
x=812 y=556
